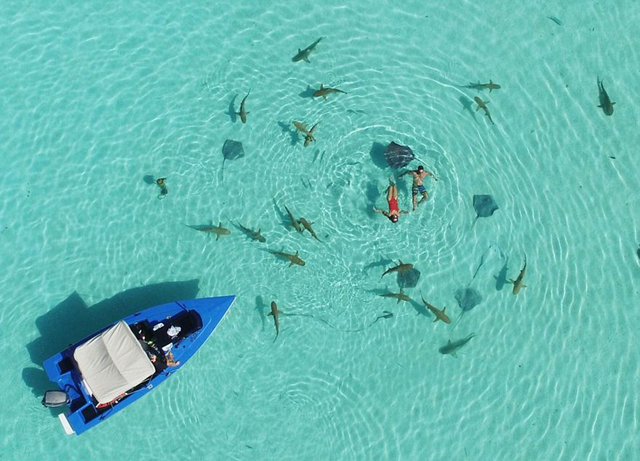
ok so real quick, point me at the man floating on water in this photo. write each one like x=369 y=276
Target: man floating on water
x=418 y=184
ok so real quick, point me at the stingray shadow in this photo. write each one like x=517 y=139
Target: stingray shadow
x=149 y=179
x=231 y=111
x=308 y=93
x=72 y=320
x=377 y=155
x=293 y=134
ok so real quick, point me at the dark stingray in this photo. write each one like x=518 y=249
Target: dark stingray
x=484 y=206
x=231 y=150
x=468 y=298
x=398 y=156
x=408 y=279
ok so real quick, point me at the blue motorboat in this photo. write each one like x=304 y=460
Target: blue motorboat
x=112 y=368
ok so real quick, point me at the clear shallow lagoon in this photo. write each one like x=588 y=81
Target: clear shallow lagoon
x=94 y=98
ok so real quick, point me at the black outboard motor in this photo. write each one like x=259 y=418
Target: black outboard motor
x=54 y=399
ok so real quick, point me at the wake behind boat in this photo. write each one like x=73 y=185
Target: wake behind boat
x=112 y=368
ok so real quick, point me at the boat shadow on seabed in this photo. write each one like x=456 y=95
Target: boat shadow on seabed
x=72 y=320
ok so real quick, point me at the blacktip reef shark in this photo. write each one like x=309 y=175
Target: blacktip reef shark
x=399 y=296
x=300 y=127
x=402 y=268
x=294 y=221
x=243 y=113
x=483 y=86
x=307 y=225
x=303 y=55
x=293 y=259
x=255 y=235
x=518 y=283
x=483 y=105
x=275 y=312
x=452 y=348
x=605 y=103
x=440 y=314
x=218 y=230
x=309 y=136
x=385 y=315
x=324 y=91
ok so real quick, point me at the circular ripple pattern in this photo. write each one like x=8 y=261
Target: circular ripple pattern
x=101 y=100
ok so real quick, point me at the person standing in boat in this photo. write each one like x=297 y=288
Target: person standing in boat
x=160 y=362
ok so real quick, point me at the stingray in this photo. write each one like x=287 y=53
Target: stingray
x=398 y=156
x=484 y=206
x=468 y=298
x=231 y=150
x=408 y=279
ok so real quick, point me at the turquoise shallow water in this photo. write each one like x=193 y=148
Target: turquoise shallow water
x=96 y=98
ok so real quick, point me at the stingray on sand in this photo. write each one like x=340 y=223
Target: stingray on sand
x=231 y=150
x=409 y=278
x=467 y=298
x=398 y=156
x=484 y=206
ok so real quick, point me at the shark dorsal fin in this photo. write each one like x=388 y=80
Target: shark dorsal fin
x=219 y=223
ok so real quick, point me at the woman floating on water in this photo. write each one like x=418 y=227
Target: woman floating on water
x=392 y=199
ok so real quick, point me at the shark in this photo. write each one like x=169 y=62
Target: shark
x=483 y=105
x=518 y=283
x=307 y=225
x=440 y=314
x=300 y=127
x=324 y=91
x=399 y=296
x=452 y=348
x=243 y=113
x=385 y=315
x=218 y=230
x=275 y=312
x=483 y=86
x=402 y=268
x=309 y=136
x=293 y=259
x=255 y=235
x=294 y=222
x=303 y=55
x=605 y=103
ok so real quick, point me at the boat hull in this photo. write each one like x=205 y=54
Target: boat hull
x=84 y=412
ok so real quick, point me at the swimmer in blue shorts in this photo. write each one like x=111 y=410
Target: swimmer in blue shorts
x=418 y=186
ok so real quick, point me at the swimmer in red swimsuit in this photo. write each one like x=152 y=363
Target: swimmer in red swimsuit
x=392 y=199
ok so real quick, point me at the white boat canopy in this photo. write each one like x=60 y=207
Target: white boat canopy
x=113 y=362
